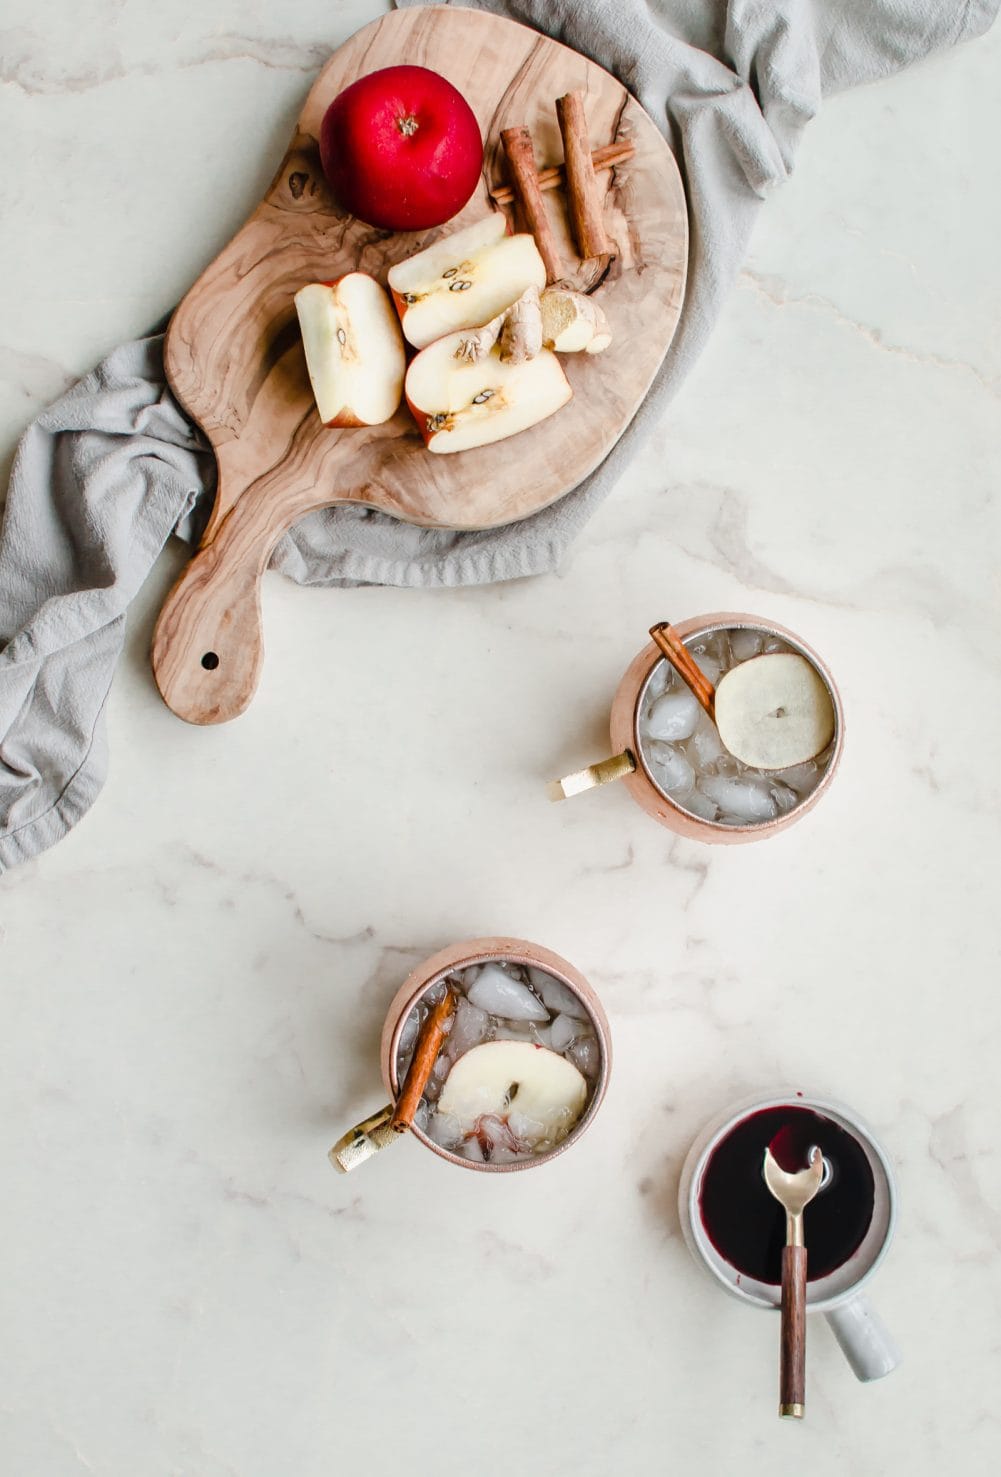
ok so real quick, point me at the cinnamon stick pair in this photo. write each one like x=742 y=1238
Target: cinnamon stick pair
x=554 y=178
x=581 y=182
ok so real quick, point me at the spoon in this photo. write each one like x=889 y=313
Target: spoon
x=793 y=1192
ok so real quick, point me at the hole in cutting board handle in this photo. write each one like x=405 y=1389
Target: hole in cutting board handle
x=210 y=661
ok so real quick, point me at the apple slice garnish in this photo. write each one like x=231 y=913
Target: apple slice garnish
x=774 y=711
x=525 y=1096
x=458 y=404
x=354 y=350
x=464 y=279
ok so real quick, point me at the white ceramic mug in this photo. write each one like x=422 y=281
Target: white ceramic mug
x=864 y=1340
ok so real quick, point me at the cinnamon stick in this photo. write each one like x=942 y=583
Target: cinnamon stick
x=426 y=1052
x=582 y=186
x=517 y=144
x=553 y=178
x=681 y=659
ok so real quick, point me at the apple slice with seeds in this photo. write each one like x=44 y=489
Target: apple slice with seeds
x=464 y=279
x=533 y=1095
x=354 y=350
x=458 y=404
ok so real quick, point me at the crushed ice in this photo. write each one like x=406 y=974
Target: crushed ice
x=499 y=1001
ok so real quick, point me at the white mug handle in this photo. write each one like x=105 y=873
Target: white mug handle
x=865 y=1341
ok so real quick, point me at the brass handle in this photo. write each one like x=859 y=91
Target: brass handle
x=364 y=1140
x=603 y=773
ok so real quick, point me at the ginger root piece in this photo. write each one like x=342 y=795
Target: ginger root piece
x=572 y=321
x=518 y=328
x=476 y=344
x=521 y=331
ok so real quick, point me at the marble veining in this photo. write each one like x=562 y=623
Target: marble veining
x=195 y=981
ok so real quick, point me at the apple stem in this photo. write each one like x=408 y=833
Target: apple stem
x=407 y=125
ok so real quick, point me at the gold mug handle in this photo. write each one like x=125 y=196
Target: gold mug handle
x=364 y=1140
x=602 y=773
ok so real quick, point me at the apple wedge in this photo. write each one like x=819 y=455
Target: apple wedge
x=525 y=1097
x=464 y=279
x=458 y=404
x=354 y=350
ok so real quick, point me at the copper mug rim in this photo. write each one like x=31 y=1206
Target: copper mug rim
x=464 y=955
x=625 y=731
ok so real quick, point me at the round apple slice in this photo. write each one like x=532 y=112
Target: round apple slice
x=774 y=711
x=533 y=1091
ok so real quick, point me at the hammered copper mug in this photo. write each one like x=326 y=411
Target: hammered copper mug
x=375 y=1132
x=628 y=764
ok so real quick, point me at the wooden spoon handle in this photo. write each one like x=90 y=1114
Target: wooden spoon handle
x=792 y=1358
x=681 y=659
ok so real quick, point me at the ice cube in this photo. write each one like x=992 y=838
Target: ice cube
x=566 y=1030
x=586 y=1056
x=659 y=680
x=558 y=996
x=700 y=805
x=718 y=647
x=500 y=994
x=706 y=662
x=801 y=777
x=498 y=1139
x=784 y=798
x=408 y=1036
x=534 y=1031
x=744 y=644
x=670 y=769
x=774 y=644
x=741 y=798
x=445 y=1130
x=469 y=1028
x=471 y=1150
x=705 y=745
x=673 y=716
x=503 y=1154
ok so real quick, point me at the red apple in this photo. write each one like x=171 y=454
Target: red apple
x=401 y=149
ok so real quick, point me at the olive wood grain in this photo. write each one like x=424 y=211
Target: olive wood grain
x=235 y=361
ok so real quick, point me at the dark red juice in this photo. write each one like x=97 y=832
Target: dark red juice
x=747 y=1226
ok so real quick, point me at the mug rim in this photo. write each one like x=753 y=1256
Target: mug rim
x=698 y=627
x=464 y=955
x=716 y=1129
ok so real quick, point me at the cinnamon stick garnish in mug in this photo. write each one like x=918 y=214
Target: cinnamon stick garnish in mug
x=554 y=178
x=521 y=162
x=681 y=659
x=426 y=1052
x=583 y=196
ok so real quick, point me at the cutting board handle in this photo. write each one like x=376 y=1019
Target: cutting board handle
x=208 y=646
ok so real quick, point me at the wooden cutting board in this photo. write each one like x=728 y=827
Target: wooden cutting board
x=234 y=356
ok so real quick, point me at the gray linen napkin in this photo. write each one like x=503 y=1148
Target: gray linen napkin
x=104 y=476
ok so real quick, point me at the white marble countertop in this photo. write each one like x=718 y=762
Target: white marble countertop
x=194 y=981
